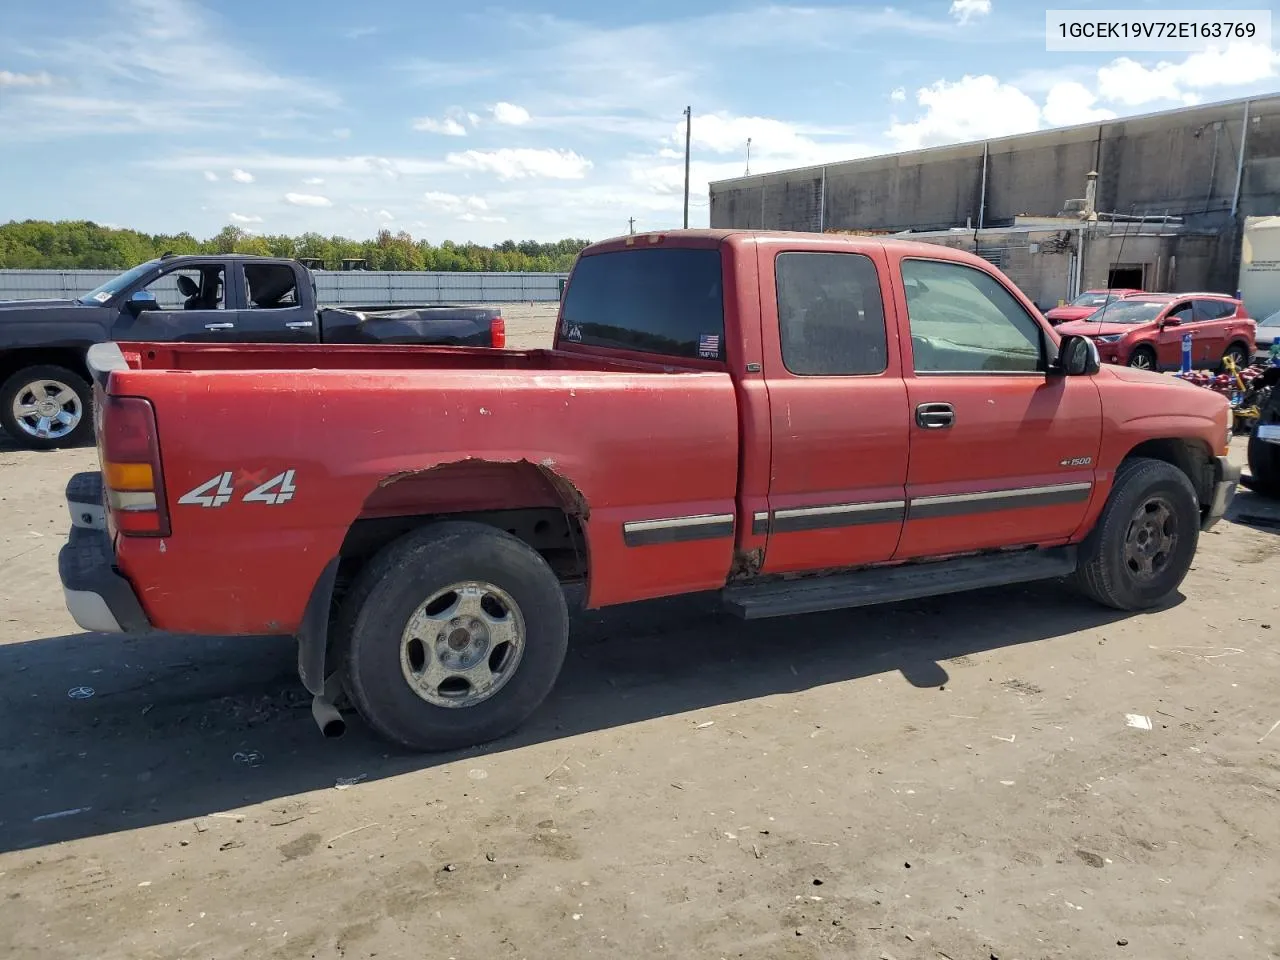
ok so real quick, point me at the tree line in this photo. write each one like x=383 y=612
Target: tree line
x=81 y=244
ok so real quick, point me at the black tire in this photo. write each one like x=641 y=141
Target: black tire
x=1237 y=352
x=1105 y=572
x=1144 y=358
x=21 y=433
x=1264 y=457
x=392 y=588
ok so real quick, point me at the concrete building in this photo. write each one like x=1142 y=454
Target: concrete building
x=1169 y=197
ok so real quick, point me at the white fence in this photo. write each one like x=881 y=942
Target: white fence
x=332 y=288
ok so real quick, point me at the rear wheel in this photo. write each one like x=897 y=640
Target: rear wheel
x=1239 y=355
x=46 y=406
x=1143 y=544
x=454 y=635
x=1143 y=358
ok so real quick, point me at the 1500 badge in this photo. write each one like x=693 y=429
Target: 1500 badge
x=219 y=491
x=1076 y=462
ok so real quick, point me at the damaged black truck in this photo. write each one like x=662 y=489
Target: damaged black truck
x=45 y=394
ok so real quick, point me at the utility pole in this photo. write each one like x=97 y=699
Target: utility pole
x=631 y=223
x=688 y=139
x=748 y=173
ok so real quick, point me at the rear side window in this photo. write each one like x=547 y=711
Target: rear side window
x=271 y=285
x=830 y=314
x=1213 y=309
x=667 y=301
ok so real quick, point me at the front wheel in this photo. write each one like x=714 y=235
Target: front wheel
x=46 y=406
x=454 y=635
x=1264 y=456
x=1143 y=358
x=1142 y=546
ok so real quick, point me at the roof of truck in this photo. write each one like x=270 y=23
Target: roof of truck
x=711 y=236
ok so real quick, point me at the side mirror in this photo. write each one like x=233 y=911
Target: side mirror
x=1077 y=357
x=1171 y=322
x=141 y=300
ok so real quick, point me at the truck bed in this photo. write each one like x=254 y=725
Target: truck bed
x=210 y=357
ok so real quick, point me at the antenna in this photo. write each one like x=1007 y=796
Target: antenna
x=1116 y=262
x=631 y=224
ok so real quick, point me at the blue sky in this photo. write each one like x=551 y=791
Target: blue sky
x=556 y=118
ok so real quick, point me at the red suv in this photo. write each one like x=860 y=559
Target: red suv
x=1085 y=304
x=1145 y=330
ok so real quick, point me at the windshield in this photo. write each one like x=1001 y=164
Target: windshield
x=1128 y=311
x=116 y=284
x=664 y=301
x=1271 y=321
x=1092 y=299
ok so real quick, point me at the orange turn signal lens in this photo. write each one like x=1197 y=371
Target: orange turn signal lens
x=128 y=476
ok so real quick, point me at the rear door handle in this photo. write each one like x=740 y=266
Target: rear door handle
x=299 y=324
x=219 y=326
x=935 y=416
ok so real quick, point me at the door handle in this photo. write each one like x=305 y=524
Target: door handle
x=299 y=324
x=935 y=416
x=219 y=326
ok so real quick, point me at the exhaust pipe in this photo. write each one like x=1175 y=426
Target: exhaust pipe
x=327 y=718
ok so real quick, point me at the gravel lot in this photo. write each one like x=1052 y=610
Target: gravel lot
x=956 y=778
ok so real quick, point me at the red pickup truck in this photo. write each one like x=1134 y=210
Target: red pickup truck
x=801 y=422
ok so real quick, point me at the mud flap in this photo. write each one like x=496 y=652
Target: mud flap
x=313 y=633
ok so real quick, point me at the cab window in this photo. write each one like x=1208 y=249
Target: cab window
x=830 y=314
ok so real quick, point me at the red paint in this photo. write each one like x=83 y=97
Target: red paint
x=615 y=436
x=1070 y=311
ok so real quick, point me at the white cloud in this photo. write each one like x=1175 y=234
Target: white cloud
x=307 y=200
x=448 y=127
x=971 y=108
x=241 y=176
x=390 y=167
x=211 y=176
x=966 y=10
x=355 y=33
x=9 y=79
x=1069 y=102
x=1128 y=82
x=510 y=114
x=517 y=163
x=313 y=181
x=386 y=215
x=470 y=217
x=244 y=218
x=454 y=203
x=899 y=95
x=342 y=133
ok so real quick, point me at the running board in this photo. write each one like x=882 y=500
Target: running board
x=754 y=601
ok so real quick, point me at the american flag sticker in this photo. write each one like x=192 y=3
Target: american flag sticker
x=709 y=346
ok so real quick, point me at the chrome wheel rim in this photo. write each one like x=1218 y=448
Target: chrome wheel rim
x=1151 y=539
x=1141 y=360
x=47 y=409
x=463 y=645
x=1238 y=358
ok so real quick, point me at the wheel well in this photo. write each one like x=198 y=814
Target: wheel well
x=11 y=361
x=1192 y=457
x=549 y=518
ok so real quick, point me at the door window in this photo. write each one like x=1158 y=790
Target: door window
x=830 y=314
x=1213 y=309
x=197 y=287
x=271 y=286
x=964 y=321
x=1182 y=312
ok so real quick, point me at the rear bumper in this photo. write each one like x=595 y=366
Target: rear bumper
x=97 y=596
x=1226 y=479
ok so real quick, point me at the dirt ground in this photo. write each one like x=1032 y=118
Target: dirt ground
x=957 y=778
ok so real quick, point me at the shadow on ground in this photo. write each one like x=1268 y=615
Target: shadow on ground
x=158 y=739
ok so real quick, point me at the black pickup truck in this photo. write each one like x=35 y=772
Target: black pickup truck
x=231 y=298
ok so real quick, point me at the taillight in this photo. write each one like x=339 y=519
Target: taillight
x=498 y=332
x=131 y=467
